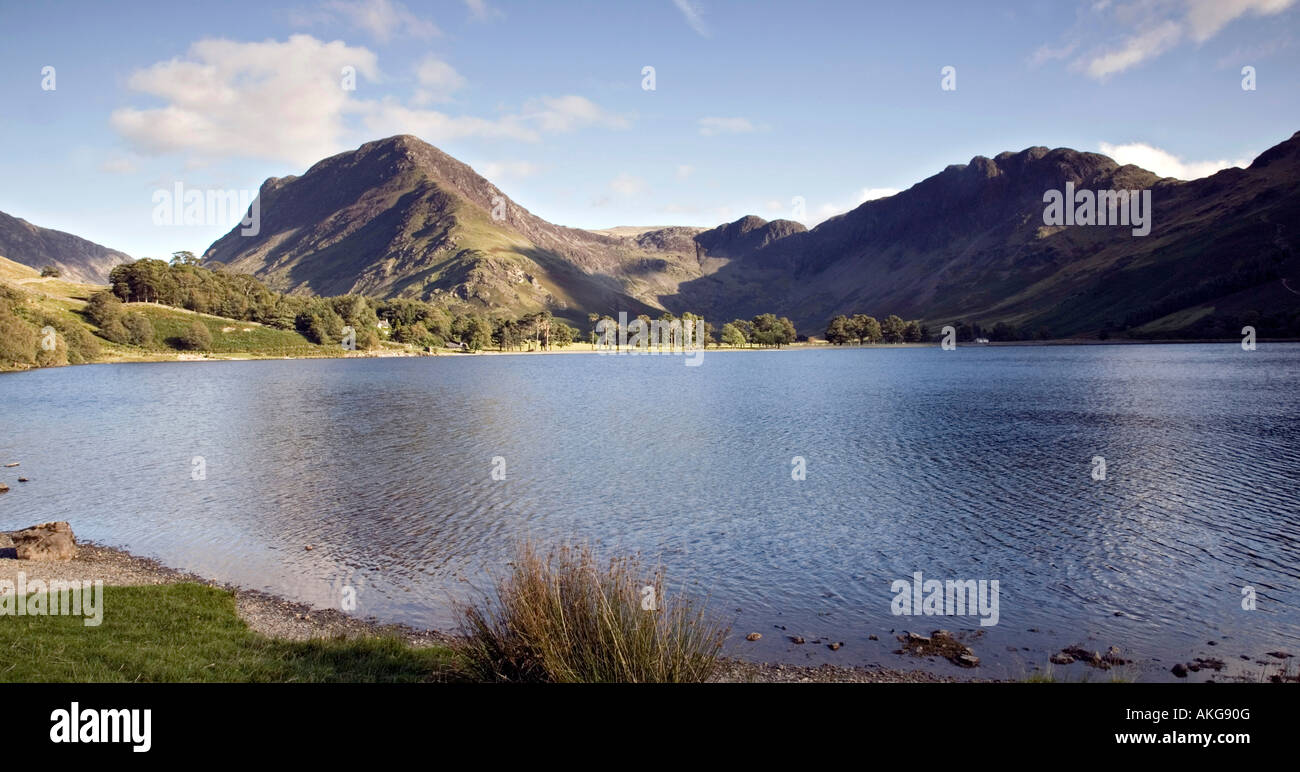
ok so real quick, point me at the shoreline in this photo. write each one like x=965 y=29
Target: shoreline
x=390 y=353
x=278 y=617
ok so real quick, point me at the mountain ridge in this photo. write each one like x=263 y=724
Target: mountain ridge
x=398 y=217
x=36 y=247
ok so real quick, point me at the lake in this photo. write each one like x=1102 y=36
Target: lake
x=969 y=464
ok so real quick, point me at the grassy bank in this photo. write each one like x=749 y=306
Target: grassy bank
x=188 y=633
x=29 y=303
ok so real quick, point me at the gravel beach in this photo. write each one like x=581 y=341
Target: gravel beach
x=278 y=617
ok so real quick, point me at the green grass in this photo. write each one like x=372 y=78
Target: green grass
x=188 y=633
x=1048 y=675
x=238 y=338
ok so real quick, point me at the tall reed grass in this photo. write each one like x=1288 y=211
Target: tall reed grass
x=563 y=616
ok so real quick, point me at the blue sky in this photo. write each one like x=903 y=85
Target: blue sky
x=755 y=104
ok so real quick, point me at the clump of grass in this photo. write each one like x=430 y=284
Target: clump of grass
x=563 y=617
x=1048 y=676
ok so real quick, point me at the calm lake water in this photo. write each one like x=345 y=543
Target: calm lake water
x=971 y=464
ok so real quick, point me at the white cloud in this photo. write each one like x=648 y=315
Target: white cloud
x=284 y=101
x=627 y=185
x=479 y=10
x=1049 y=53
x=383 y=19
x=684 y=171
x=438 y=81
x=694 y=14
x=1135 y=50
x=503 y=170
x=272 y=100
x=566 y=113
x=388 y=117
x=1149 y=28
x=624 y=186
x=1164 y=163
x=1206 y=17
x=827 y=211
x=711 y=126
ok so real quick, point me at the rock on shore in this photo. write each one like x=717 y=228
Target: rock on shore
x=47 y=541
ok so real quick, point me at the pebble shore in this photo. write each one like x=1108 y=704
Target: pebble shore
x=281 y=618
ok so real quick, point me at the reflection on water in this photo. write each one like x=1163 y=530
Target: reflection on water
x=966 y=464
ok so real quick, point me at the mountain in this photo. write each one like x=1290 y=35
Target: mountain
x=76 y=258
x=970 y=243
x=398 y=217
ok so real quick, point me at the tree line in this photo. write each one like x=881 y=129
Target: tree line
x=860 y=329
x=762 y=330
x=183 y=283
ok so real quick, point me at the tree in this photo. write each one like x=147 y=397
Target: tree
x=746 y=330
x=732 y=336
x=319 y=323
x=50 y=272
x=1004 y=331
x=506 y=334
x=667 y=333
x=476 y=333
x=786 y=333
x=708 y=336
x=184 y=258
x=838 y=332
x=196 y=337
x=892 y=329
x=865 y=328
x=912 y=332
x=562 y=334
x=414 y=334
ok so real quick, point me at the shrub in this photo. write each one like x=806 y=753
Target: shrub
x=114 y=330
x=18 y=343
x=51 y=357
x=82 y=347
x=140 y=329
x=50 y=271
x=563 y=618
x=197 y=337
x=103 y=308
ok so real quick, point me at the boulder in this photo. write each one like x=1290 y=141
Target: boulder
x=47 y=541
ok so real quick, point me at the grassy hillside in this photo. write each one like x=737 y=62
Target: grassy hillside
x=30 y=303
